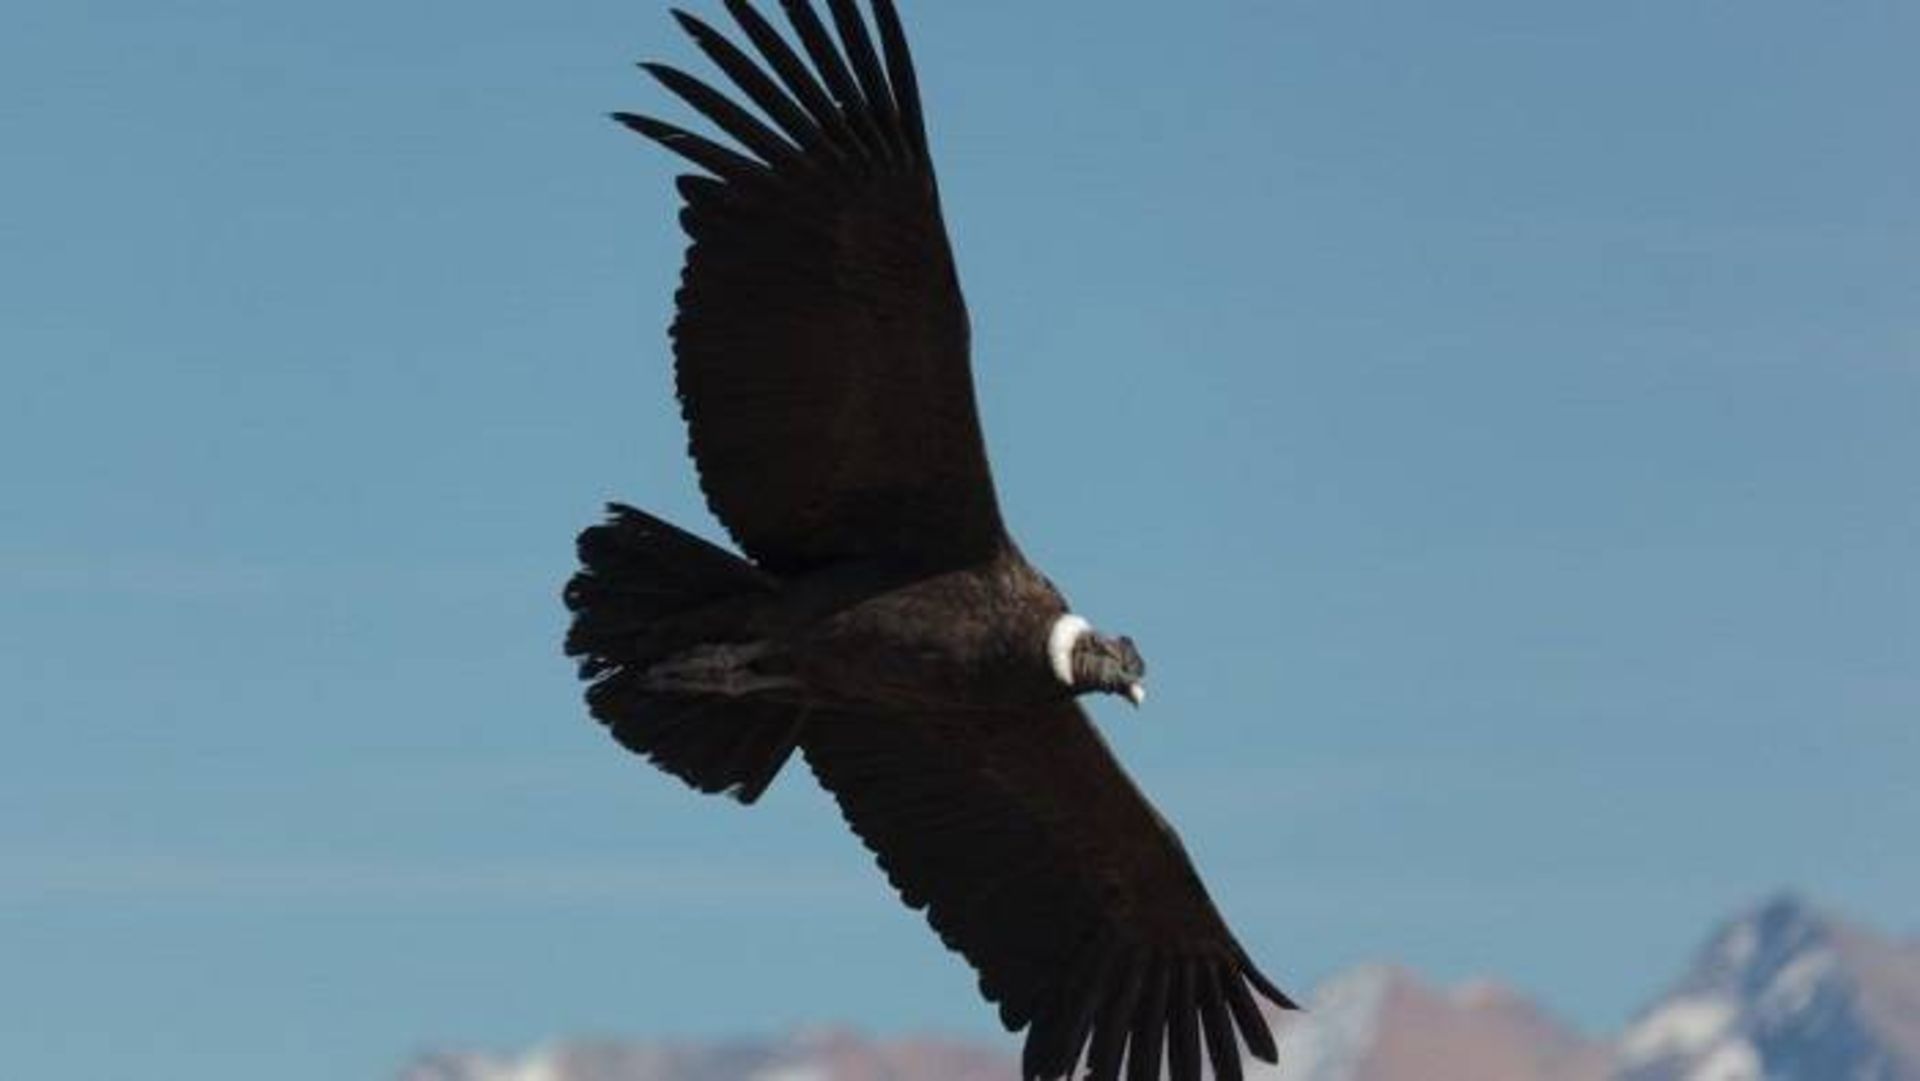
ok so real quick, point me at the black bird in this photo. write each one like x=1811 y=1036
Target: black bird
x=883 y=622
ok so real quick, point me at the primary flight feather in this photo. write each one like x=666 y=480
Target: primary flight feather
x=883 y=622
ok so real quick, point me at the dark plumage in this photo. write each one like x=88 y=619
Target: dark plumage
x=883 y=622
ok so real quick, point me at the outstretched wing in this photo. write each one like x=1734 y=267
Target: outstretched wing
x=1036 y=857
x=821 y=340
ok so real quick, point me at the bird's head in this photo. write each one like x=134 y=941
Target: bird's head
x=1086 y=660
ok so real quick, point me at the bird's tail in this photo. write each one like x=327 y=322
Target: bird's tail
x=647 y=596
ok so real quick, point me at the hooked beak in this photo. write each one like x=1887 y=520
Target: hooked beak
x=1136 y=693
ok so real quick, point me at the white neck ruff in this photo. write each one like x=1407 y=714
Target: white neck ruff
x=1061 y=639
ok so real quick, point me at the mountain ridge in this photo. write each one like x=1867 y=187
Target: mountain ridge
x=1782 y=991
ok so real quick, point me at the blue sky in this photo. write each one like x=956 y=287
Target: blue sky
x=1496 y=423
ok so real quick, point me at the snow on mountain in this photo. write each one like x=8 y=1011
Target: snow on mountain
x=1330 y=1040
x=1375 y=1023
x=1783 y=992
x=812 y=1055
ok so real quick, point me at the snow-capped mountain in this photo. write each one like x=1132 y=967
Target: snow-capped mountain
x=1783 y=992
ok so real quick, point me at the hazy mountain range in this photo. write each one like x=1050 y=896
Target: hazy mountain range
x=1783 y=992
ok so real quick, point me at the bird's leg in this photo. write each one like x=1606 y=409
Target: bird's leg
x=723 y=669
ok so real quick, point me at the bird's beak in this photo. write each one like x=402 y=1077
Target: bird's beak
x=1136 y=693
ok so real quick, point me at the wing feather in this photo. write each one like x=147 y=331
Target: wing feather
x=1246 y=1014
x=732 y=119
x=833 y=68
x=1110 y=1036
x=821 y=360
x=701 y=151
x=1036 y=858
x=743 y=73
x=1183 y=1036
x=866 y=68
x=906 y=85
x=1149 y=1029
x=1221 y=1052
x=821 y=341
x=793 y=73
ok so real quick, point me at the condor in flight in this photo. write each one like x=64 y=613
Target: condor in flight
x=883 y=622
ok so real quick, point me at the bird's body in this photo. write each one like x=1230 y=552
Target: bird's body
x=867 y=638
x=955 y=640
x=882 y=621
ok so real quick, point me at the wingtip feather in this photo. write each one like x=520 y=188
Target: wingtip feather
x=1254 y=1031
x=1268 y=990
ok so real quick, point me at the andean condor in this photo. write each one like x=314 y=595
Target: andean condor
x=883 y=622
